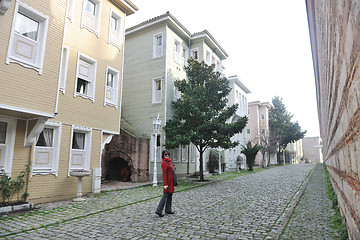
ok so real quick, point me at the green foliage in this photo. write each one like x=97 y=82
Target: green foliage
x=250 y=152
x=9 y=188
x=200 y=114
x=282 y=130
x=338 y=220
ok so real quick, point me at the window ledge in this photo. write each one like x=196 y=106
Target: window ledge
x=23 y=63
x=84 y=96
x=43 y=172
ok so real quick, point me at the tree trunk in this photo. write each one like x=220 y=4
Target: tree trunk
x=201 y=166
x=278 y=157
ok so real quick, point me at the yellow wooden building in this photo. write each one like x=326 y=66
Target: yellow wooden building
x=60 y=90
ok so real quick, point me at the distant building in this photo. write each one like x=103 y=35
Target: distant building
x=294 y=152
x=237 y=96
x=257 y=129
x=312 y=149
x=155 y=55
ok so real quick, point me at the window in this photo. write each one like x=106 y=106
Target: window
x=218 y=66
x=185 y=55
x=47 y=150
x=177 y=52
x=70 y=10
x=248 y=131
x=262 y=116
x=63 y=68
x=208 y=58
x=177 y=94
x=114 y=29
x=158 y=45
x=157 y=93
x=195 y=54
x=80 y=148
x=213 y=60
x=111 y=87
x=184 y=153
x=175 y=156
x=91 y=15
x=28 y=37
x=263 y=131
x=7 y=141
x=85 y=77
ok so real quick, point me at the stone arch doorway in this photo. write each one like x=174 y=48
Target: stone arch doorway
x=119 y=167
x=119 y=170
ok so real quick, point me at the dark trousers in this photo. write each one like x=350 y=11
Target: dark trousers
x=166 y=201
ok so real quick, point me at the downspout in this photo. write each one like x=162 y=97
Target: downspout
x=61 y=58
x=166 y=78
x=122 y=76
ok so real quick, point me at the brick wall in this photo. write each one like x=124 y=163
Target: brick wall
x=335 y=39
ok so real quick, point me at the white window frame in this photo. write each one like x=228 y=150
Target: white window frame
x=53 y=153
x=175 y=155
x=177 y=94
x=84 y=154
x=63 y=68
x=23 y=50
x=70 y=9
x=156 y=94
x=89 y=64
x=185 y=57
x=158 y=50
x=193 y=53
x=184 y=153
x=111 y=93
x=208 y=58
x=114 y=37
x=7 y=149
x=89 y=21
x=177 y=51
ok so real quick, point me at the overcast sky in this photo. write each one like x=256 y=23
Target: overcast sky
x=267 y=43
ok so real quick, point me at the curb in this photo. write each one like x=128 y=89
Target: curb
x=15 y=208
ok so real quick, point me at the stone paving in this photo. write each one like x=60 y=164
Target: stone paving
x=311 y=218
x=263 y=205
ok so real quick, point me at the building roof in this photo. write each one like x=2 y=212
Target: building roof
x=210 y=41
x=184 y=32
x=238 y=81
x=127 y=5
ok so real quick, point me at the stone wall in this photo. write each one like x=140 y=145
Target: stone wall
x=335 y=41
x=133 y=150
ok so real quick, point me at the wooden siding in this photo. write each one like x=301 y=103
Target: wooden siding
x=22 y=83
x=78 y=110
x=139 y=70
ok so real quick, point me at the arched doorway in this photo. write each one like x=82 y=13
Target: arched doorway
x=118 y=169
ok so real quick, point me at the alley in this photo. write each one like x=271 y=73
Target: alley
x=264 y=205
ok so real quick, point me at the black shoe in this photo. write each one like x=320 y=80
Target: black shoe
x=160 y=214
x=170 y=212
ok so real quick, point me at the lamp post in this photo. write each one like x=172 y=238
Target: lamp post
x=157 y=126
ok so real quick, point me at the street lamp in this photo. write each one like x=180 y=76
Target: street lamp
x=157 y=126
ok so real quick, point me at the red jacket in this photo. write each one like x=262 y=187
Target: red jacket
x=167 y=170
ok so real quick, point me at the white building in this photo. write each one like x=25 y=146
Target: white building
x=237 y=95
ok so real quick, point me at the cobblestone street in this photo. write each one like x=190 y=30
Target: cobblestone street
x=287 y=202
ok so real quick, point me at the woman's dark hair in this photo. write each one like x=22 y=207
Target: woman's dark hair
x=165 y=152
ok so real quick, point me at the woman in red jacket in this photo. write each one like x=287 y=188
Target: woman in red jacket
x=168 y=189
